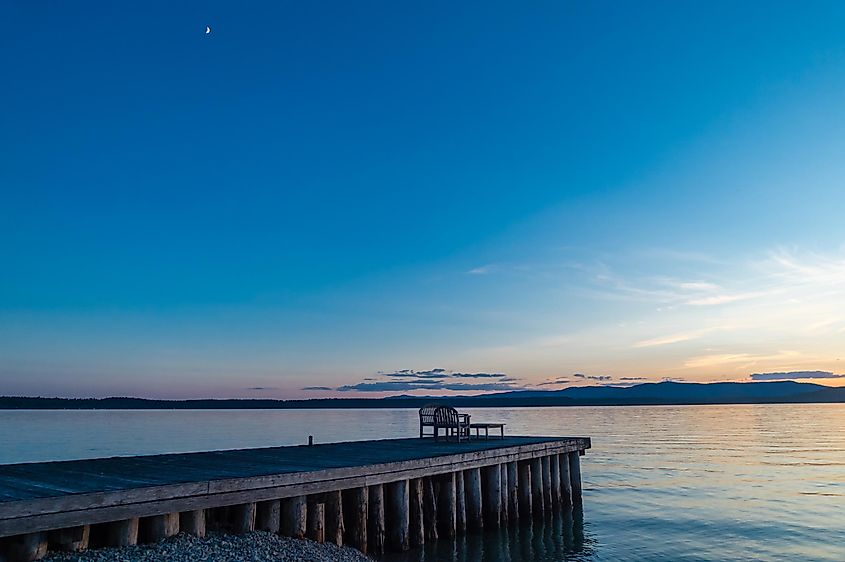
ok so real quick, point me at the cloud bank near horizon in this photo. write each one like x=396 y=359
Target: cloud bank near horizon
x=790 y=375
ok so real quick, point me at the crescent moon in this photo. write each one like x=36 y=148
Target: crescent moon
x=207 y=30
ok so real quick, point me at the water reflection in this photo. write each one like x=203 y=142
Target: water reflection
x=560 y=536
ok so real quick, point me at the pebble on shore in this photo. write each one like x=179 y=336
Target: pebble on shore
x=257 y=546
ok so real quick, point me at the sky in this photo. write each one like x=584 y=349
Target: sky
x=369 y=198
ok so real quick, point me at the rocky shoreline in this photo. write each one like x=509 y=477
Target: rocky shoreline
x=251 y=547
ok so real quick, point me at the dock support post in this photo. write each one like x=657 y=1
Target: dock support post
x=555 y=468
x=525 y=488
x=565 y=481
x=472 y=487
x=123 y=533
x=513 y=491
x=356 y=509
x=503 y=470
x=460 y=503
x=430 y=509
x=447 y=506
x=73 y=539
x=547 y=482
x=193 y=522
x=398 y=515
x=295 y=517
x=492 y=479
x=375 y=519
x=334 y=517
x=243 y=518
x=159 y=527
x=575 y=476
x=416 y=499
x=537 y=486
x=268 y=516
x=26 y=548
x=316 y=530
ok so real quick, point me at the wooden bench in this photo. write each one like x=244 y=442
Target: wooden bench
x=427 y=420
x=486 y=427
x=455 y=425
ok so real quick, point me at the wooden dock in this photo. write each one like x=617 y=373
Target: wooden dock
x=373 y=495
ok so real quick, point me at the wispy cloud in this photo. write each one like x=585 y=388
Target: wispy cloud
x=601 y=378
x=385 y=386
x=790 y=375
x=668 y=340
x=317 y=388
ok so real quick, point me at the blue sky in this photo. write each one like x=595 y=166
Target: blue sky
x=325 y=195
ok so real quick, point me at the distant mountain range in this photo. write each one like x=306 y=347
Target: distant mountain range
x=664 y=393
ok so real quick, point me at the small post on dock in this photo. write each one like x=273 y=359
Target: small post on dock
x=375 y=519
x=472 y=487
x=295 y=511
x=575 y=476
x=398 y=515
x=193 y=522
x=316 y=528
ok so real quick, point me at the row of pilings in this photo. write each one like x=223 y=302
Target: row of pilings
x=394 y=516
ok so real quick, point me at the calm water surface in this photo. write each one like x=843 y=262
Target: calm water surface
x=661 y=483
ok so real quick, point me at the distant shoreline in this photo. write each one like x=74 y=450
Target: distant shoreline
x=649 y=394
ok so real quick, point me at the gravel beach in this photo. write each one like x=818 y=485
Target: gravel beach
x=251 y=547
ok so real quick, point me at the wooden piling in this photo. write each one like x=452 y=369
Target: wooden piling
x=547 y=482
x=159 y=527
x=492 y=480
x=73 y=539
x=430 y=509
x=123 y=533
x=26 y=548
x=472 y=489
x=503 y=469
x=417 y=536
x=460 y=503
x=375 y=519
x=398 y=515
x=565 y=481
x=316 y=527
x=356 y=507
x=334 y=517
x=447 y=506
x=294 y=516
x=525 y=490
x=555 y=470
x=193 y=522
x=537 y=486
x=243 y=517
x=575 y=476
x=268 y=516
x=513 y=491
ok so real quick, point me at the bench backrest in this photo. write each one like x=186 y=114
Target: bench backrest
x=445 y=416
x=427 y=414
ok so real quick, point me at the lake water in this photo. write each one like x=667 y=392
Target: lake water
x=761 y=482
